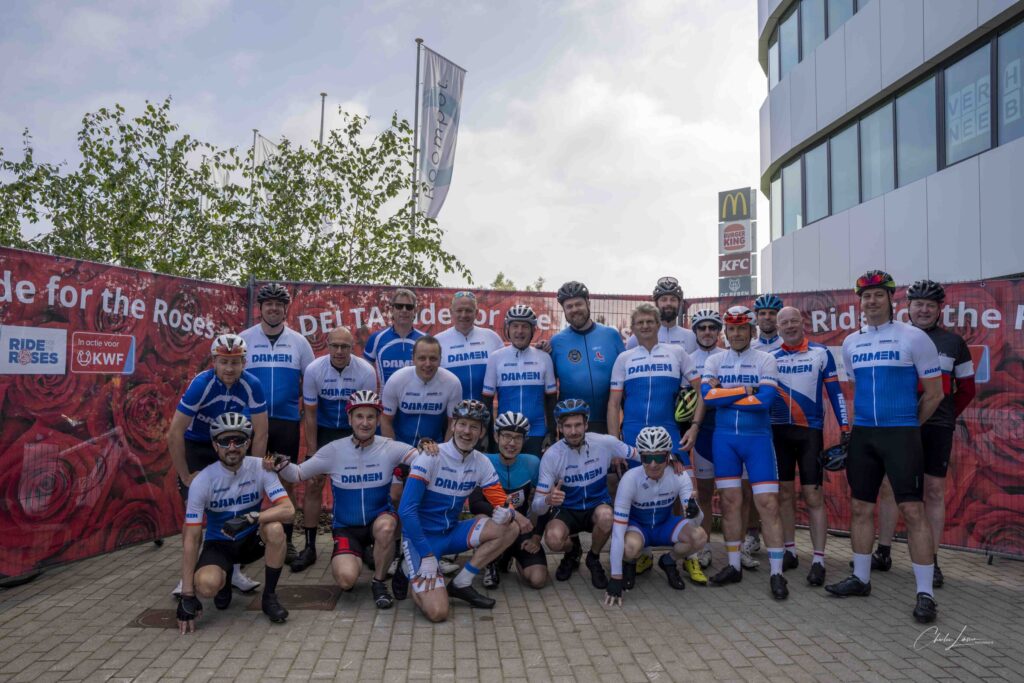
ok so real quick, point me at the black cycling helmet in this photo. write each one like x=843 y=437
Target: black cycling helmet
x=572 y=290
x=471 y=410
x=572 y=406
x=926 y=289
x=872 y=279
x=273 y=292
x=834 y=459
x=667 y=285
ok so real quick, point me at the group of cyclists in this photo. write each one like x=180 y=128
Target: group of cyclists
x=439 y=445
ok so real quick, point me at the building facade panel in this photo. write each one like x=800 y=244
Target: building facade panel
x=954 y=223
x=834 y=252
x=1001 y=194
x=765 y=123
x=766 y=282
x=906 y=232
x=830 y=78
x=863 y=54
x=946 y=22
x=990 y=9
x=783 y=266
x=806 y=265
x=778 y=113
x=802 y=101
x=902 y=38
x=867 y=236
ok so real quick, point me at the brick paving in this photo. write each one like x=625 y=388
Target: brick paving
x=80 y=623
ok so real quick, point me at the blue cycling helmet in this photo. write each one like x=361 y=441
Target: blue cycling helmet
x=769 y=301
x=572 y=406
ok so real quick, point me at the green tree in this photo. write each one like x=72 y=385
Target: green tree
x=502 y=282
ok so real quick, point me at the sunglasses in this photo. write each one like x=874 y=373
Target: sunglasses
x=667 y=282
x=653 y=458
x=403 y=307
x=706 y=328
x=229 y=441
x=466 y=295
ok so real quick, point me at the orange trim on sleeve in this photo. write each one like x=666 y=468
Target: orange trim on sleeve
x=748 y=401
x=719 y=392
x=495 y=495
x=413 y=476
x=274 y=500
x=193 y=523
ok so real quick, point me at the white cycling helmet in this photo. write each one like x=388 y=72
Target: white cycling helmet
x=706 y=315
x=654 y=440
x=228 y=345
x=740 y=315
x=231 y=423
x=510 y=421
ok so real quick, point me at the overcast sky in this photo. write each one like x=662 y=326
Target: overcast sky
x=594 y=135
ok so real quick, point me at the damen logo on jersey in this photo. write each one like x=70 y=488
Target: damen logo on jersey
x=575 y=356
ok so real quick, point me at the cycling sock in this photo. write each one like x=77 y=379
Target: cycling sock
x=310 y=537
x=288 y=531
x=862 y=566
x=271 y=575
x=775 y=559
x=883 y=550
x=465 y=577
x=819 y=557
x=733 y=548
x=790 y=546
x=924 y=573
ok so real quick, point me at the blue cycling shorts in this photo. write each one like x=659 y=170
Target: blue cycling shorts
x=755 y=451
x=666 y=533
x=462 y=537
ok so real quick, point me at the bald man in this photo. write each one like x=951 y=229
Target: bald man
x=328 y=382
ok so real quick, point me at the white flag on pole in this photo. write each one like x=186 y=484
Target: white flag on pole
x=439 y=127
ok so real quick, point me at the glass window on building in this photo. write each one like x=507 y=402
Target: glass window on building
x=773 y=60
x=1011 y=69
x=812 y=24
x=792 y=207
x=816 y=182
x=776 y=199
x=968 y=106
x=789 y=43
x=839 y=11
x=916 y=156
x=876 y=167
x=844 y=173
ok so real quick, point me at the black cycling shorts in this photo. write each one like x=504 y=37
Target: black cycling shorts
x=533 y=445
x=325 y=435
x=226 y=554
x=283 y=438
x=198 y=455
x=597 y=426
x=523 y=558
x=937 y=443
x=877 y=452
x=355 y=540
x=577 y=520
x=798 y=446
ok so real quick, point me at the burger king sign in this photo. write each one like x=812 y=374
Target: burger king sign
x=734 y=236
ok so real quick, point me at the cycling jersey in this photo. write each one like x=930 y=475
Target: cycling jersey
x=389 y=351
x=466 y=356
x=737 y=412
x=957 y=368
x=766 y=343
x=803 y=371
x=361 y=477
x=223 y=494
x=420 y=409
x=885 y=363
x=650 y=382
x=583 y=472
x=207 y=398
x=521 y=378
x=700 y=357
x=646 y=504
x=518 y=480
x=676 y=335
x=279 y=367
x=328 y=388
x=436 y=491
x=583 y=364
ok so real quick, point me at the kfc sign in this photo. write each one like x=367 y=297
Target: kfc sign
x=735 y=237
x=734 y=265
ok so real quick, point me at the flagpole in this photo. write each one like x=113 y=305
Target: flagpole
x=415 y=138
x=323 y=100
x=252 y=181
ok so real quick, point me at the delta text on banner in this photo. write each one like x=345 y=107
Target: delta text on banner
x=439 y=127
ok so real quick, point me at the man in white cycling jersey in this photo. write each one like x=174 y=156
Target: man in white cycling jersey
x=668 y=297
x=418 y=400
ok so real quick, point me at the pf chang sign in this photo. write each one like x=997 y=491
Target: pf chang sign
x=733 y=265
x=735 y=237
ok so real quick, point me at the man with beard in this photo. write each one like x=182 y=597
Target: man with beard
x=668 y=297
x=390 y=349
x=278 y=355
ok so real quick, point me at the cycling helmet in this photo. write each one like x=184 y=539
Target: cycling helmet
x=834 y=459
x=926 y=289
x=520 y=313
x=572 y=406
x=572 y=290
x=769 y=301
x=471 y=410
x=686 y=404
x=875 y=278
x=653 y=440
x=510 y=421
x=273 y=292
x=706 y=315
x=364 y=398
x=739 y=315
x=667 y=285
x=228 y=345
x=231 y=422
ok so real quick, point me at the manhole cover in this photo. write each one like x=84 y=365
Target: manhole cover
x=156 y=618
x=322 y=598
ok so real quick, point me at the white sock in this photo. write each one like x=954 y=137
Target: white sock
x=862 y=566
x=924 y=574
x=819 y=558
x=775 y=560
x=465 y=577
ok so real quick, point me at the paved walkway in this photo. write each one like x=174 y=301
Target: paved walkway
x=85 y=622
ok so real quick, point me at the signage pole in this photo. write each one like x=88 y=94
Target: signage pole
x=415 y=140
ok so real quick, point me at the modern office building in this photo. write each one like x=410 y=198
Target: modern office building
x=892 y=136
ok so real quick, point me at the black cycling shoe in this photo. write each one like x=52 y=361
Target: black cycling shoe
x=400 y=584
x=789 y=561
x=381 y=597
x=222 y=600
x=470 y=595
x=881 y=562
x=937 y=578
x=598 y=579
x=272 y=608
x=628 y=575
x=491 y=576
x=816 y=577
x=290 y=554
x=851 y=585
x=779 y=585
x=926 y=608
x=675 y=580
x=728 y=574
x=566 y=567
x=305 y=558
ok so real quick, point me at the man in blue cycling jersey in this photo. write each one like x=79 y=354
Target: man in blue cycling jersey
x=390 y=349
x=432 y=501
x=277 y=356
x=523 y=378
x=327 y=384
x=668 y=297
x=418 y=400
x=886 y=360
x=741 y=385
